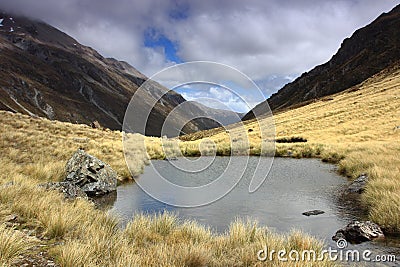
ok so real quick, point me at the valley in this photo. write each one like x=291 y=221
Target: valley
x=58 y=96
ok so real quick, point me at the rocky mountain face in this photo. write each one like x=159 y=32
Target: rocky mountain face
x=44 y=72
x=368 y=51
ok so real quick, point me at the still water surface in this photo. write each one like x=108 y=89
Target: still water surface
x=292 y=186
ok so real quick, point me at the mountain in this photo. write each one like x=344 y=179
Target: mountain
x=223 y=117
x=46 y=73
x=368 y=51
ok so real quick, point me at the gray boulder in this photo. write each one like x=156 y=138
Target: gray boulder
x=93 y=176
x=358 y=232
x=358 y=185
x=70 y=191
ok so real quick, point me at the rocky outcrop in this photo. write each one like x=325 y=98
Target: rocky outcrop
x=87 y=176
x=358 y=232
x=368 y=51
x=93 y=176
x=358 y=185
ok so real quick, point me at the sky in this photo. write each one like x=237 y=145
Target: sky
x=270 y=41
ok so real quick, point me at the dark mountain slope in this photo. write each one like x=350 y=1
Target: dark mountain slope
x=45 y=72
x=368 y=51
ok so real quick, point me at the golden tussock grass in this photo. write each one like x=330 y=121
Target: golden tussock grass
x=12 y=244
x=40 y=148
x=93 y=238
x=356 y=129
x=36 y=151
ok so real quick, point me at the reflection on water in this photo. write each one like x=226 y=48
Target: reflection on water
x=105 y=202
x=292 y=187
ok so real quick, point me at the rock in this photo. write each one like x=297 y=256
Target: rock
x=69 y=190
x=171 y=159
x=358 y=232
x=93 y=176
x=313 y=212
x=11 y=218
x=358 y=185
x=8 y=184
x=396 y=128
x=95 y=125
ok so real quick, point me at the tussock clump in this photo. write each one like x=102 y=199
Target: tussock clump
x=12 y=244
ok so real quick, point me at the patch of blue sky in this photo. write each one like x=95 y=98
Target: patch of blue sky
x=155 y=39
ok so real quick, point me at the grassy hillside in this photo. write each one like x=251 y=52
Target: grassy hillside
x=358 y=129
x=38 y=226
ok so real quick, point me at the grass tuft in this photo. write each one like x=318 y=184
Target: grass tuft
x=12 y=244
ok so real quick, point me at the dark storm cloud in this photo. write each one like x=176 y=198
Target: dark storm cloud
x=260 y=38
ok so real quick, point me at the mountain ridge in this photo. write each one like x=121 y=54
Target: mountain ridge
x=369 y=50
x=45 y=72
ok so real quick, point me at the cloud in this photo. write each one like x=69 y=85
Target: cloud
x=271 y=37
x=263 y=39
x=217 y=97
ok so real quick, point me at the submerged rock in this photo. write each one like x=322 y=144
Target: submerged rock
x=358 y=232
x=171 y=159
x=313 y=212
x=358 y=185
x=93 y=176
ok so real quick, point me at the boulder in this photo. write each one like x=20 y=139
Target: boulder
x=358 y=232
x=93 y=176
x=358 y=185
x=69 y=190
x=313 y=212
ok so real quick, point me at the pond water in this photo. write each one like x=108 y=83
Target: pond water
x=292 y=187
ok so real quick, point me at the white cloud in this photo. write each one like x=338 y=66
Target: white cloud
x=260 y=38
x=222 y=94
x=217 y=97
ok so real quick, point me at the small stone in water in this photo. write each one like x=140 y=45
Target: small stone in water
x=313 y=212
